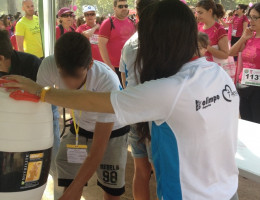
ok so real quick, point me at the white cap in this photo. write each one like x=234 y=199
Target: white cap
x=88 y=9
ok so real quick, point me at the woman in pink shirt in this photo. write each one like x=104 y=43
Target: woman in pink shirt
x=90 y=29
x=8 y=24
x=249 y=45
x=65 y=16
x=207 y=12
x=239 y=23
x=227 y=23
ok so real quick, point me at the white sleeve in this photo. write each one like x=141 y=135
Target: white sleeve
x=122 y=63
x=151 y=101
x=47 y=74
x=109 y=84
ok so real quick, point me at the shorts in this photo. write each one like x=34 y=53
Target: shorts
x=139 y=149
x=234 y=40
x=111 y=171
x=118 y=74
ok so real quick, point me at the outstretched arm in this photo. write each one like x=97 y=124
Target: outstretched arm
x=132 y=105
x=74 y=99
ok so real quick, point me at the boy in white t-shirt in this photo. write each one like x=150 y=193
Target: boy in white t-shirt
x=72 y=67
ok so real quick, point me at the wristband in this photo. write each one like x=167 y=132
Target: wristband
x=43 y=93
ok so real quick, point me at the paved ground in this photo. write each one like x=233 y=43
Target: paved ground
x=248 y=190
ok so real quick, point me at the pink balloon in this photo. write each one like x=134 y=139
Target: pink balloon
x=75 y=8
x=251 y=4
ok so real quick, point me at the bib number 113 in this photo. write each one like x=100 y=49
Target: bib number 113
x=251 y=77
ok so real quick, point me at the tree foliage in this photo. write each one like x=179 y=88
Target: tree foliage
x=64 y=3
x=228 y=4
x=104 y=7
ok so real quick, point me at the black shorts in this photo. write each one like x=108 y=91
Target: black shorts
x=118 y=74
x=234 y=41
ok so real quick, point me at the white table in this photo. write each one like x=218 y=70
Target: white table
x=248 y=152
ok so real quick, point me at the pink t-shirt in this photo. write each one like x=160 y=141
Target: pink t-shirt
x=229 y=32
x=14 y=43
x=117 y=37
x=93 y=41
x=215 y=33
x=58 y=32
x=251 y=54
x=238 y=24
x=10 y=32
x=74 y=26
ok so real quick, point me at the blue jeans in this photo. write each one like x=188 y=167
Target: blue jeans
x=56 y=145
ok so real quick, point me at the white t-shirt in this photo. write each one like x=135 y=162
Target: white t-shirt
x=127 y=61
x=194 y=117
x=100 y=78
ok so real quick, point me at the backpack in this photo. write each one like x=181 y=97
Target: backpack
x=113 y=26
x=62 y=29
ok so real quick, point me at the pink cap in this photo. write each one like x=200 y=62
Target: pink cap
x=63 y=11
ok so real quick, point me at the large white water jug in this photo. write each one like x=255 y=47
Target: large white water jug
x=26 y=139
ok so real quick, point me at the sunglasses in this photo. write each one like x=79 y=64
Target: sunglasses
x=122 y=6
x=8 y=18
x=253 y=18
x=66 y=15
x=89 y=14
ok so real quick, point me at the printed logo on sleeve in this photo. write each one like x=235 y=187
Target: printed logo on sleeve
x=228 y=93
x=206 y=103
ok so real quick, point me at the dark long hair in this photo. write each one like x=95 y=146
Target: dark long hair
x=168 y=38
x=142 y=4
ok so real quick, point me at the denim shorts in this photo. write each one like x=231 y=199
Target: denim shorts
x=139 y=149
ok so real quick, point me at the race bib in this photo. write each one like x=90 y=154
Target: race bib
x=234 y=33
x=251 y=77
x=93 y=39
x=76 y=153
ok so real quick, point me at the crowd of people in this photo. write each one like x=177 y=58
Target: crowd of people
x=175 y=74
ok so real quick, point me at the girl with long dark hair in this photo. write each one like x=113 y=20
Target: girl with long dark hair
x=140 y=144
x=191 y=106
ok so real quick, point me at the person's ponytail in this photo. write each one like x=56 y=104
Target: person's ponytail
x=243 y=7
x=220 y=12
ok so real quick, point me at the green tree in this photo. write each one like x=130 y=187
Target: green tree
x=81 y=3
x=11 y=6
x=64 y=3
x=228 y=4
x=104 y=7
